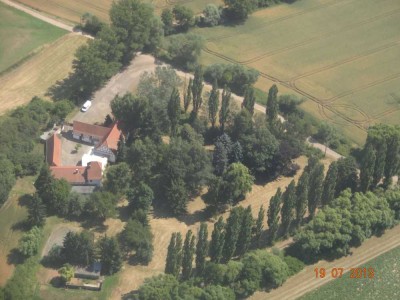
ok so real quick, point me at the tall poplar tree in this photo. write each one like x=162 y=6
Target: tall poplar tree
x=217 y=241
x=302 y=197
x=121 y=150
x=249 y=99
x=273 y=215
x=188 y=253
x=246 y=226
x=231 y=234
x=315 y=187
x=197 y=89
x=188 y=95
x=224 y=111
x=328 y=193
x=272 y=104
x=179 y=254
x=392 y=157
x=367 y=167
x=380 y=163
x=201 y=248
x=258 y=227
x=213 y=104
x=174 y=110
x=289 y=201
x=170 y=262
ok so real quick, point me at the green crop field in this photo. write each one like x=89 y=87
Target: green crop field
x=72 y=10
x=20 y=34
x=340 y=55
x=385 y=284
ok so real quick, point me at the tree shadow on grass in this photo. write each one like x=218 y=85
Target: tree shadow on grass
x=15 y=257
x=23 y=225
x=25 y=200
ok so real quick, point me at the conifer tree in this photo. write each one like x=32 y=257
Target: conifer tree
x=217 y=241
x=43 y=181
x=273 y=215
x=37 y=211
x=110 y=255
x=315 y=187
x=213 y=104
x=380 y=163
x=188 y=95
x=367 y=167
x=302 y=197
x=258 y=227
x=174 y=110
x=249 y=99
x=121 y=150
x=170 y=262
x=272 y=104
x=201 y=248
x=188 y=253
x=224 y=111
x=220 y=159
x=328 y=193
x=197 y=89
x=236 y=153
x=392 y=158
x=231 y=234
x=246 y=226
x=289 y=203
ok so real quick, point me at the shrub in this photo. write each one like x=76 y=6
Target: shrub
x=212 y=15
x=295 y=265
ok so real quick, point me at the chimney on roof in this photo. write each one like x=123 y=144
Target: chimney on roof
x=76 y=171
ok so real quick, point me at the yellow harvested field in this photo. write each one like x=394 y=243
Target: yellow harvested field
x=36 y=75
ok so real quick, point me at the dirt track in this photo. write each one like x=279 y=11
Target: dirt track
x=305 y=281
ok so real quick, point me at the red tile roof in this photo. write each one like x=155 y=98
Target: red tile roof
x=112 y=138
x=91 y=130
x=78 y=174
x=53 y=150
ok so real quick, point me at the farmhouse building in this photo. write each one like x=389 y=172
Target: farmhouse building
x=105 y=139
x=53 y=150
x=79 y=175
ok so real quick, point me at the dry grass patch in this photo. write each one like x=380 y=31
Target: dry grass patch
x=35 y=76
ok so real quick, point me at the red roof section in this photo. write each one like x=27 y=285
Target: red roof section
x=91 y=130
x=78 y=174
x=112 y=138
x=53 y=150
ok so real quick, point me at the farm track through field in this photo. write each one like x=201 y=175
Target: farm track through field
x=278 y=20
x=320 y=37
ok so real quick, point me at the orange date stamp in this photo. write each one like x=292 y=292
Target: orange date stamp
x=355 y=273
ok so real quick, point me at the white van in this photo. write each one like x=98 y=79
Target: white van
x=86 y=105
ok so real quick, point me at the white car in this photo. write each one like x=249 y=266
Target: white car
x=86 y=105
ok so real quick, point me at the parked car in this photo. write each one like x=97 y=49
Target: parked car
x=86 y=105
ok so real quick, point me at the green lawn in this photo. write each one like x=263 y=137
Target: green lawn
x=339 y=54
x=21 y=34
x=385 y=284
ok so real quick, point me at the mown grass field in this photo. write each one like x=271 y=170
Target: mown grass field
x=385 y=284
x=21 y=34
x=341 y=55
x=72 y=10
x=37 y=74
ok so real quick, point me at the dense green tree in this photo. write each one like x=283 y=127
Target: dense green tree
x=272 y=104
x=240 y=9
x=55 y=196
x=367 y=167
x=275 y=270
x=392 y=157
x=118 y=178
x=179 y=254
x=302 y=197
x=213 y=103
x=110 y=255
x=197 y=89
x=211 y=15
x=66 y=273
x=217 y=241
x=136 y=26
x=393 y=199
x=184 y=17
x=78 y=248
x=36 y=211
x=201 y=249
x=174 y=110
x=220 y=159
x=316 y=179
x=7 y=179
x=348 y=175
x=44 y=180
x=328 y=193
x=188 y=95
x=380 y=163
x=77 y=203
x=101 y=205
x=236 y=154
x=91 y=24
x=170 y=262
x=326 y=134
x=232 y=232
x=141 y=197
x=121 y=151
x=224 y=111
x=30 y=242
x=167 y=18
x=249 y=100
x=189 y=249
x=242 y=126
x=274 y=209
x=137 y=237
x=177 y=196
x=246 y=226
x=289 y=203
x=258 y=228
